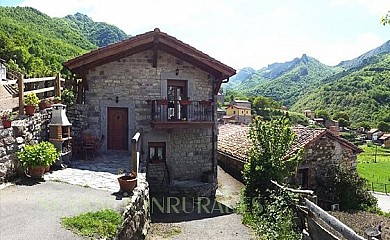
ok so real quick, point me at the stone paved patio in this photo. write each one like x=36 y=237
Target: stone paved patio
x=99 y=173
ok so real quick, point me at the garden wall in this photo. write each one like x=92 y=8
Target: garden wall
x=137 y=212
x=29 y=130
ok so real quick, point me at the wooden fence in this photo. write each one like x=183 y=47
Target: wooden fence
x=315 y=223
x=12 y=92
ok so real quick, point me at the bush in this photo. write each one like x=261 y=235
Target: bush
x=344 y=186
x=274 y=219
x=41 y=154
x=67 y=97
x=31 y=99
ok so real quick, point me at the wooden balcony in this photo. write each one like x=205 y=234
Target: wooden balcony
x=181 y=114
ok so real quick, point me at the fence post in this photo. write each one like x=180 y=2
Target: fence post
x=57 y=86
x=385 y=188
x=21 y=93
x=372 y=186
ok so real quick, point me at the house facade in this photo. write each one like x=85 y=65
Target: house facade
x=156 y=84
x=321 y=149
x=239 y=111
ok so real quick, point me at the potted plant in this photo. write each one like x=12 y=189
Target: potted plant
x=6 y=119
x=56 y=100
x=162 y=102
x=30 y=101
x=43 y=104
x=35 y=158
x=67 y=97
x=128 y=182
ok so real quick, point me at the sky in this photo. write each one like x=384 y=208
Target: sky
x=244 y=33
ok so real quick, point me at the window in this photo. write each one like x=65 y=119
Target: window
x=234 y=112
x=157 y=152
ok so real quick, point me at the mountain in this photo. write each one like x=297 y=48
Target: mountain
x=35 y=44
x=243 y=74
x=364 y=58
x=287 y=81
x=99 y=33
x=363 y=94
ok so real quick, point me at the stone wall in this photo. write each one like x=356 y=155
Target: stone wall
x=321 y=154
x=30 y=130
x=137 y=212
x=77 y=116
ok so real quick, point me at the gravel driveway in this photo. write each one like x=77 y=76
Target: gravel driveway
x=218 y=221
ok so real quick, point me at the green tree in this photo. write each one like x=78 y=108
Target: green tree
x=365 y=125
x=265 y=102
x=341 y=114
x=343 y=185
x=383 y=126
x=343 y=122
x=322 y=114
x=266 y=159
x=386 y=19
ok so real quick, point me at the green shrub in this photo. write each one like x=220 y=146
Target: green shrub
x=40 y=154
x=31 y=99
x=67 y=97
x=275 y=218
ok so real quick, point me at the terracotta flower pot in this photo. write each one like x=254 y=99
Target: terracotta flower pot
x=6 y=123
x=42 y=105
x=185 y=102
x=47 y=168
x=127 y=183
x=30 y=110
x=36 y=172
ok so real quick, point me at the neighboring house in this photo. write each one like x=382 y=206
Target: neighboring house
x=385 y=139
x=241 y=110
x=309 y=114
x=371 y=132
x=142 y=83
x=321 y=149
x=241 y=103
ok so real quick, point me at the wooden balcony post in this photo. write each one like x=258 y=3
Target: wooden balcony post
x=21 y=93
x=57 y=85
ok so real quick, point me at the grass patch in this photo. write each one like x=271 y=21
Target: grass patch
x=377 y=174
x=101 y=224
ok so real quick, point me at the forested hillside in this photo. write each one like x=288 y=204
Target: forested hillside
x=35 y=44
x=99 y=33
x=363 y=94
x=285 y=82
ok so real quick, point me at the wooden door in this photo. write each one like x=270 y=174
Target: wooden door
x=117 y=129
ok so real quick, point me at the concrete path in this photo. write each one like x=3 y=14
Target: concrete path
x=383 y=201
x=217 y=222
x=33 y=209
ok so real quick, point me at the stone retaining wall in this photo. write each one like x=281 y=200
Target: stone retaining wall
x=30 y=130
x=137 y=212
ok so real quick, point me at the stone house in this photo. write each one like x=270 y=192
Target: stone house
x=165 y=88
x=240 y=110
x=385 y=140
x=321 y=148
